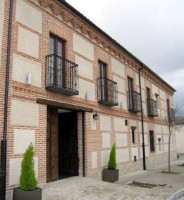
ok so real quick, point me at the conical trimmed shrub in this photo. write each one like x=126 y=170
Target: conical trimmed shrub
x=27 y=178
x=112 y=159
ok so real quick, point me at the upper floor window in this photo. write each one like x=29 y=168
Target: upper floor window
x=134 y=100
x=61 y=74
x=107 y=89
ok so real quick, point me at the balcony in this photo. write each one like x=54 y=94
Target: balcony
x=152 y=108
x=107 y=92
x=61 y=75
x=134 y=101
x=171 y=115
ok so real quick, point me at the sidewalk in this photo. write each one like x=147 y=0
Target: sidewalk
x=77 y=188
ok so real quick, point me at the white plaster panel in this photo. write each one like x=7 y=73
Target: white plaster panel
x=28 y=42
x=22 y=139
x=2 y=2
x=118 y=67
x=105 y=123
x=15 y=170
x=24 y=113
x=122 y=100
x=147 y=151
x=122 y=155
x=21 y=67
x=166 y=138
x=162 y=95
x=84 y=87
x=163 y=105
x=158 y=150
x=165 y=147
x=133 y=123
x=159 y=115
x=154 y=89
x=85 y=67
x=134 y=152
x=163 y=114
x=137 y=81
x=120 y=82
x=158 y=136
x=106 y=140
x=145 y=127
x=145 y=139
x=165 y=129
x=119 y=124
x=105 y=158
x=144 y=108
x=83 y=47
x=158 y=128
x=94 y=160
x=121 y=140
x=29 y=16
x=93 y=123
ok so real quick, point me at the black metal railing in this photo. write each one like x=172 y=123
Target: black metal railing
x=134 y=101
x=61 y=75
x=152 y=108
x=171 y=115
x=107 y=91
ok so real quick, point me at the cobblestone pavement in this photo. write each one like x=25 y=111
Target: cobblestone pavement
x=78 y=188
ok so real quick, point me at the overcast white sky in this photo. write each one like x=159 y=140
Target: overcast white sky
x=153 y=30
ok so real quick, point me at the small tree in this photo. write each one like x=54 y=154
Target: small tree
x=112 y=159
x=27 y=178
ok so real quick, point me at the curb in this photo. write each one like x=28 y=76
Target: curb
x=176 y=195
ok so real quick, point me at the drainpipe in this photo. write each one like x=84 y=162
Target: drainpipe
x=83 y=145
x=4 y=141
x=142 y=121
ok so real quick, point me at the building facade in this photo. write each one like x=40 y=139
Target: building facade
x=73 y=93
x=179 y=132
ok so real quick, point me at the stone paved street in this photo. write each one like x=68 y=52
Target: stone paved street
x=77 y=188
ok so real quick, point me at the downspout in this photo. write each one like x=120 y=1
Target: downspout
x=142 y=121
x=83 y=145
x=4 y=141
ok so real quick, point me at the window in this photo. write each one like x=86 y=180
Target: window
x=148 y=99
x=126 y=122
x=130 y=92
x=168 y=109
x=152 y=144
x=156 y=97
x=56 y=64
x=102 y=68
x=133 y=135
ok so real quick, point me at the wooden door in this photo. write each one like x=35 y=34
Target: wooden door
x=52 y=144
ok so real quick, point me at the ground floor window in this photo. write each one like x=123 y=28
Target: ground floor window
x=152 y=145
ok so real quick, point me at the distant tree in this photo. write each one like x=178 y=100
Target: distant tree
x=170 y=119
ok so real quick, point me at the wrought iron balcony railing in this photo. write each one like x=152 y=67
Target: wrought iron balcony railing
x=152 y=108
x=107 y=91
x=61 y=75
x=134 y=101
x=171 y=115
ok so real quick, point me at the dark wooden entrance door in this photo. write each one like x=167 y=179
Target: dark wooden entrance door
x=52 y=144
x=68 y=145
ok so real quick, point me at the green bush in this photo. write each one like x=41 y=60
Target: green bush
x=112 y=160
x=27 y=178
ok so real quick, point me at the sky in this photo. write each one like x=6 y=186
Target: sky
x=153 y=30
